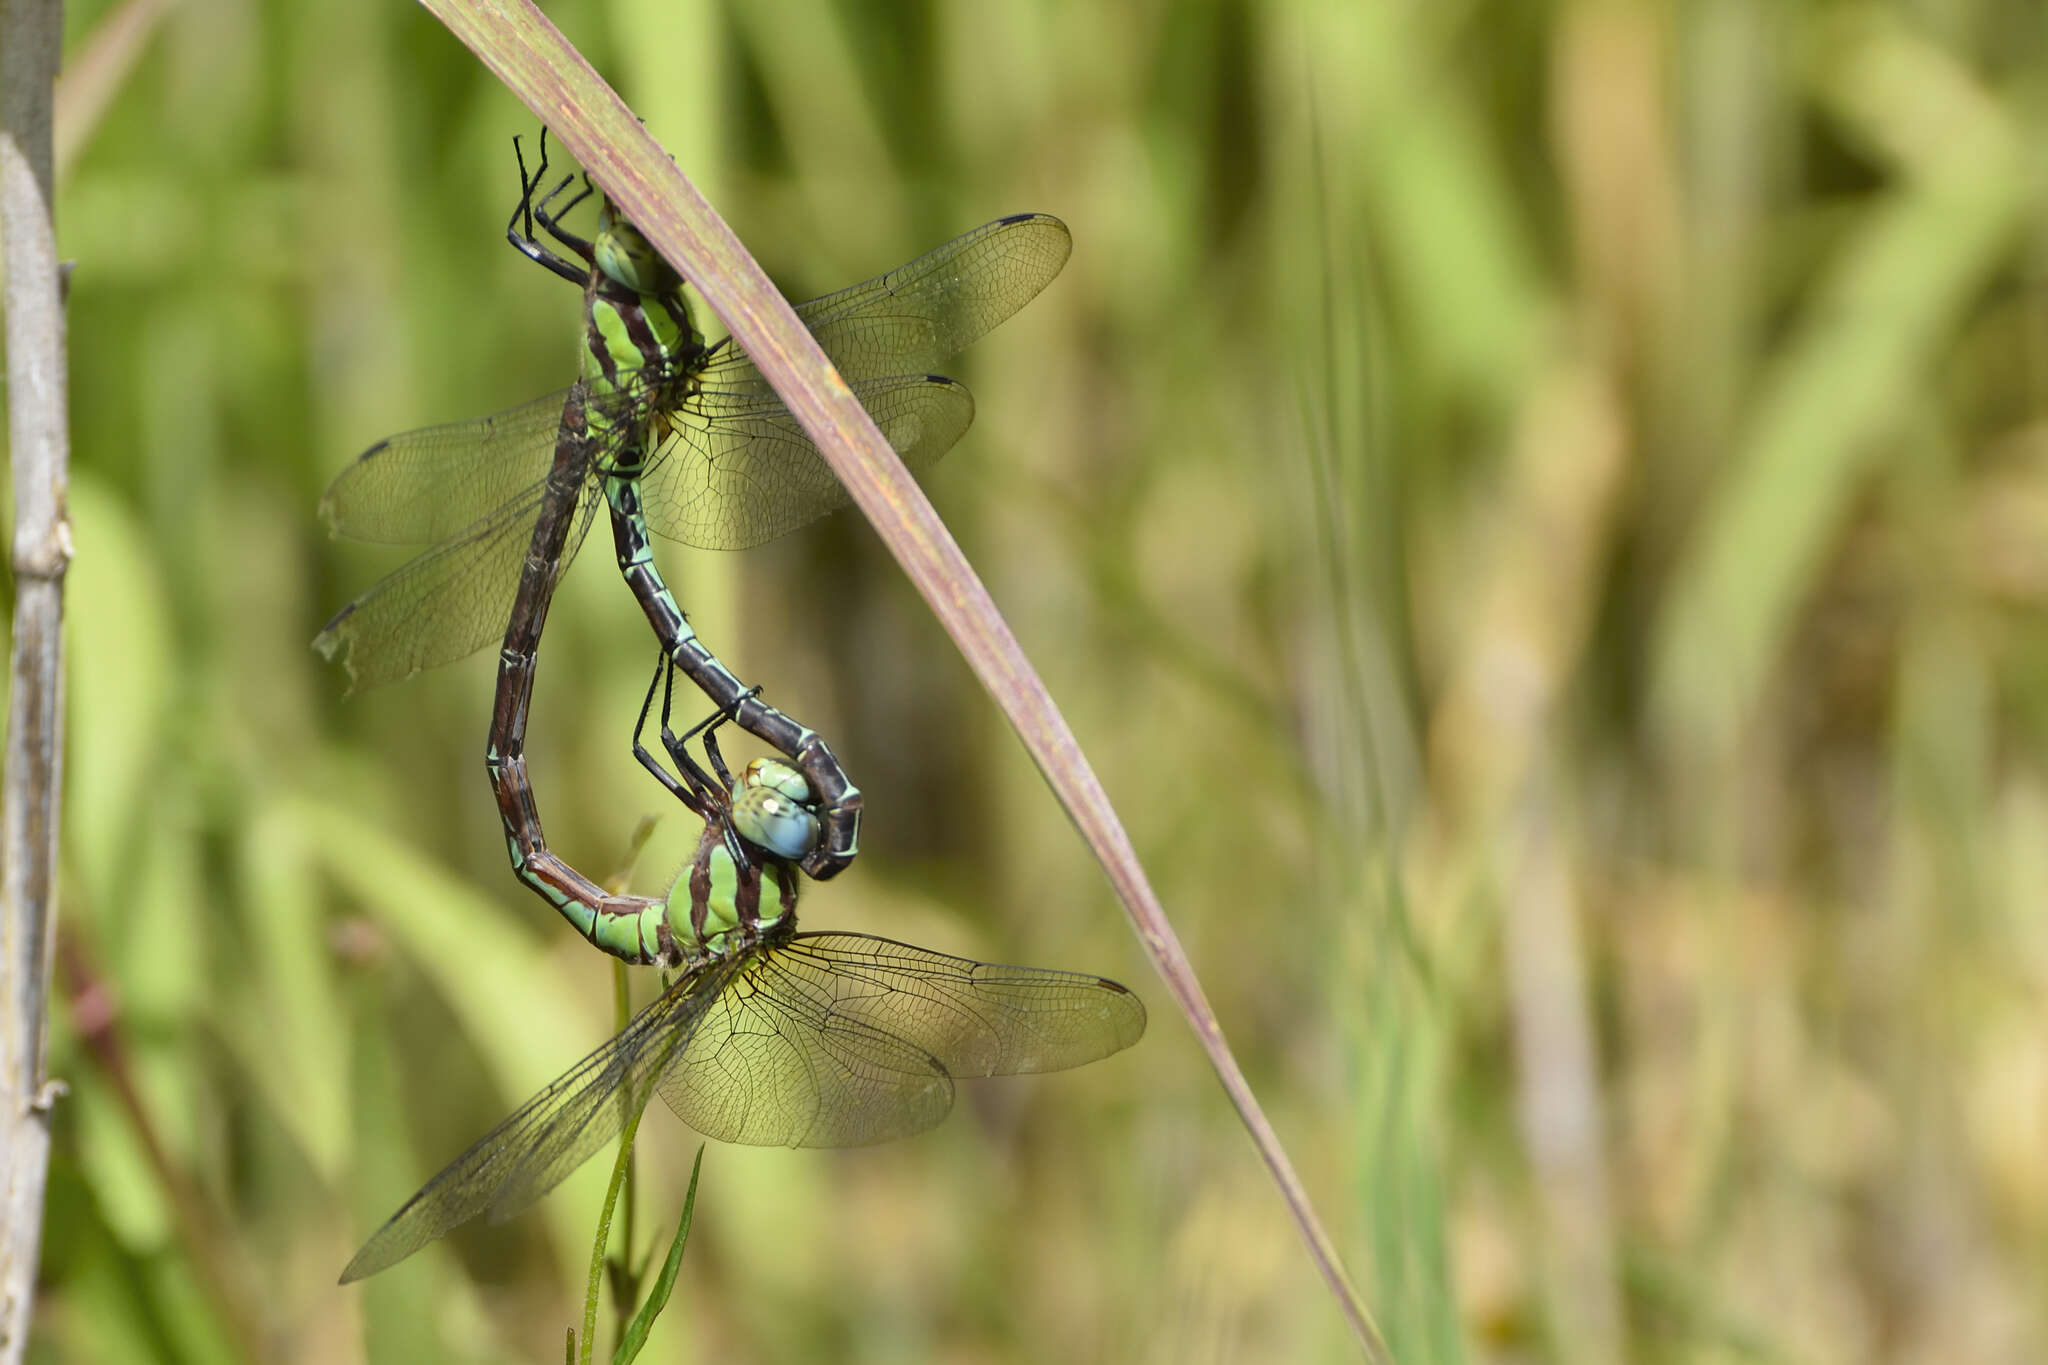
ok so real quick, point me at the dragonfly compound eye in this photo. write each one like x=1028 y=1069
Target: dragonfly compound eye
x=765 y=816
x=777 y=776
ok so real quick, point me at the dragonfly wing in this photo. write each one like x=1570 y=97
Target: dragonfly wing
x=917 y=315
x=839 y=1040
x=770 y=1065
x=976 y=1018
x=737 y=469
x=550 y=1135
x=446 y=603
x=429 y=484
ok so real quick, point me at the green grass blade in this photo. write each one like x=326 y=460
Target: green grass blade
x=643 y=1321
x=622 y=1163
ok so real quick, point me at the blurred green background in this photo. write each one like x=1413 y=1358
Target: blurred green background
x=1539 y=514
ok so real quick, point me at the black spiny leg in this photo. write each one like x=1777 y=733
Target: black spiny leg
x=678 y=749
x=519 y=230
x=550 y=218
x=707 y=797
x=678 y=746
x=709 y=725
x=694 y=790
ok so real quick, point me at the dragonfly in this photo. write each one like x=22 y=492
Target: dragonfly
x=768 y=1036
x=674 y=437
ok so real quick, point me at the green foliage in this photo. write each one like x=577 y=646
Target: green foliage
x=635 y=1335
x=1536 y=513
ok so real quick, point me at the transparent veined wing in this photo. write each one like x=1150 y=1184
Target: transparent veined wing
x=976 y=1018
x=552 y=1134
x=840 y=1040
x=828 y=1040
x=763 y=1070
x=737 y=470
x=914 y=317
x=448 y=602
x=426 y=485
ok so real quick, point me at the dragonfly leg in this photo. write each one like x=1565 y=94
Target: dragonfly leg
x=550 y=218
x=691 y=790
x=695 y=790
x=709 y=725
x=678 y=745
x=519 y=230
x=678 y=749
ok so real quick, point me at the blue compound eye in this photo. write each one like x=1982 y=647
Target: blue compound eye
x=766 y=817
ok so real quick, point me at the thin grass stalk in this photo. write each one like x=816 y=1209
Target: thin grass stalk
x=539 y=65
x=31 y=32
x=621 y=1164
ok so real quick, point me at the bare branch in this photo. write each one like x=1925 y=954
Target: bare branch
x=31 y=32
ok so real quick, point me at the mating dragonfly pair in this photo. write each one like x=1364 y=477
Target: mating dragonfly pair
x=764 y=1035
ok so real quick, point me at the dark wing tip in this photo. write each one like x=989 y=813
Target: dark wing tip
x=1015 y=218
x=329 y=631
x=1139 y=1015
x=330 y=501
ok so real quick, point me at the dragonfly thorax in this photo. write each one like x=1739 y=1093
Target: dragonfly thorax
x=642 y=346
x=716 y=905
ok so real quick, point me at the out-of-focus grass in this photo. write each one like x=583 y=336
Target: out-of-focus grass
x=1536 y=513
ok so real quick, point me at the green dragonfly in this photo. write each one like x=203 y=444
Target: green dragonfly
x=768 y=1036
x=672 y=436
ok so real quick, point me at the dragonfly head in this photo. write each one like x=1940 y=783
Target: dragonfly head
x=771 y=806
x=627 y=257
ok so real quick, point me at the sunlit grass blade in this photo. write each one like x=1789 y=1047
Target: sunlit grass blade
x=665 y=1283
x=621 y=1164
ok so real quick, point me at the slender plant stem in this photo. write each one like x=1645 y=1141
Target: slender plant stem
x=31 y=32
x=540 y=66
x=622 y=1163
x=625 y=1287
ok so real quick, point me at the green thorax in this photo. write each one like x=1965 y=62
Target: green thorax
x=719 y=906
x=640 y=325
x=722 y=903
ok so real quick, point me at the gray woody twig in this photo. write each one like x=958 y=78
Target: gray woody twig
x=30 y=35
